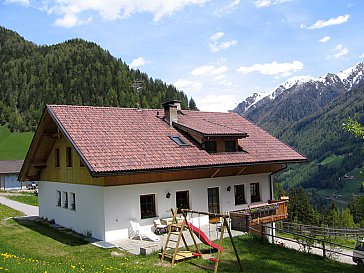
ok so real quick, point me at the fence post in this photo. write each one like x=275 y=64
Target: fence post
x=323 y=249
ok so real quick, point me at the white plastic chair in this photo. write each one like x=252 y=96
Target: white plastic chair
x=135 y=230
x=159 y=228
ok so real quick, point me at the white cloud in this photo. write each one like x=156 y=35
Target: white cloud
x=340 y=51
x=362 y=55
x=216 y=36
x=228 y=8
x=330 y=22
x=274 y=68
x=216 y=46
x=209 y=70
x=267 y=3
x=25 y=3
x=70 y=11
x=138 y=62
x=325 y=39
x=216 y=103
x=187 y=85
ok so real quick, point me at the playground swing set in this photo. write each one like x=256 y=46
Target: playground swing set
x=172 y=251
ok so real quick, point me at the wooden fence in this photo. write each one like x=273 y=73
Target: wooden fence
x=321 y=231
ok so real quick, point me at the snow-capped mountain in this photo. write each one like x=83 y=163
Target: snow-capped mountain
x=343 y=81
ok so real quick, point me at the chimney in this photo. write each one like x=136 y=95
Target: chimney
x=171 y=108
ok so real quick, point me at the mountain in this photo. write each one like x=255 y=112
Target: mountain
x=307 y=113
x=72 y=72
x=344 y=81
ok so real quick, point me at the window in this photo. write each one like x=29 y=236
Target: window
x=65 y=199
x=56 y=157
x=72 y=201
x=230 y=146
x=210 y=146
x=179 y=141
x=182 y=200
x=147 y=206
x=59 y=202
x=68 y=157
x=239 y=194
x=254 y=192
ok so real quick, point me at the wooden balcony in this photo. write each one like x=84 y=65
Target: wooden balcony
x=259 y=214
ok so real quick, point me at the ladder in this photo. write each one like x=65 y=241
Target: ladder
x=173 y=240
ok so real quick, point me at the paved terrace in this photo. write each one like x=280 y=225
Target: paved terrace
x=134 y=245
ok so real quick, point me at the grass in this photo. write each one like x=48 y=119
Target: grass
x=7 y=212
x=13 y=146
x=351 y=186
x=34 y=247
x=332 y=161
x=26 y=198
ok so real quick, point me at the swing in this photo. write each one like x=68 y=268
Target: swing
x=212 y=258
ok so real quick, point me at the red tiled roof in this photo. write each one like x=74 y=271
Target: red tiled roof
x=119 y=139
x=209 y=125
x=10 y=166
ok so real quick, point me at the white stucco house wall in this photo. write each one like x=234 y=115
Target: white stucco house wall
x=101 y=167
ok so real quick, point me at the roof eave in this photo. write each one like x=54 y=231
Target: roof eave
x=201 y=167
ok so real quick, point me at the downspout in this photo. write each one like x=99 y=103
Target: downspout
x=272 y=225
x=271 y=181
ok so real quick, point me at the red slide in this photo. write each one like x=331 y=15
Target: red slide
x=202 y=236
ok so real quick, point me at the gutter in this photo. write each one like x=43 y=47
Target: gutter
x=161 y=170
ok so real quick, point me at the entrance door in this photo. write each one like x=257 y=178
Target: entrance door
x=213 y=202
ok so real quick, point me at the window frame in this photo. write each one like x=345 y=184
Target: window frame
x=184 y=200
x=69 y=157
x=72 y=205
x=65 y=200
x=255 y=188
x=237 y=198
x=59 y=198
x=231 y=149
x=152 y=202
x=57 y=158
x=208 y=149
x=179 y=141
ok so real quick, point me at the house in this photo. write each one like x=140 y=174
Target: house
x=9 y=171
x=101 y=167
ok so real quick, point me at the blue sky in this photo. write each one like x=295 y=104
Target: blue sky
x=218 y=52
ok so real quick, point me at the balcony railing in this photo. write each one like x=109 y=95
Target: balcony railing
x=259 y=214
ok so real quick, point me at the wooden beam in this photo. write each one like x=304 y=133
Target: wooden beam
x=215 y=173
x=241 y=170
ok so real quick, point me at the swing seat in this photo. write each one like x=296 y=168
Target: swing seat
x=196 y=254
x=212 y=259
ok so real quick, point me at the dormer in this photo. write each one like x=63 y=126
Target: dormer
x=213 y=136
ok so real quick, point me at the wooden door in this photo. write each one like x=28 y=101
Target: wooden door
x=213 y=202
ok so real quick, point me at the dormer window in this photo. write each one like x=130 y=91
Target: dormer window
x=179 y=141
x=230 y=146
x=211 y=147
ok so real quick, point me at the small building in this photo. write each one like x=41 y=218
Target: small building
x=9 y=171
x=101 y=167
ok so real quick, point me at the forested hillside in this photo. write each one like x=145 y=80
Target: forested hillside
x=320 y=136
x=308 y=114
x=74 y=72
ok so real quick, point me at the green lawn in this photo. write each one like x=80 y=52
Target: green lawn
x=33 y=247
x=7 y=212
x=25 y=198
x=13 y=146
